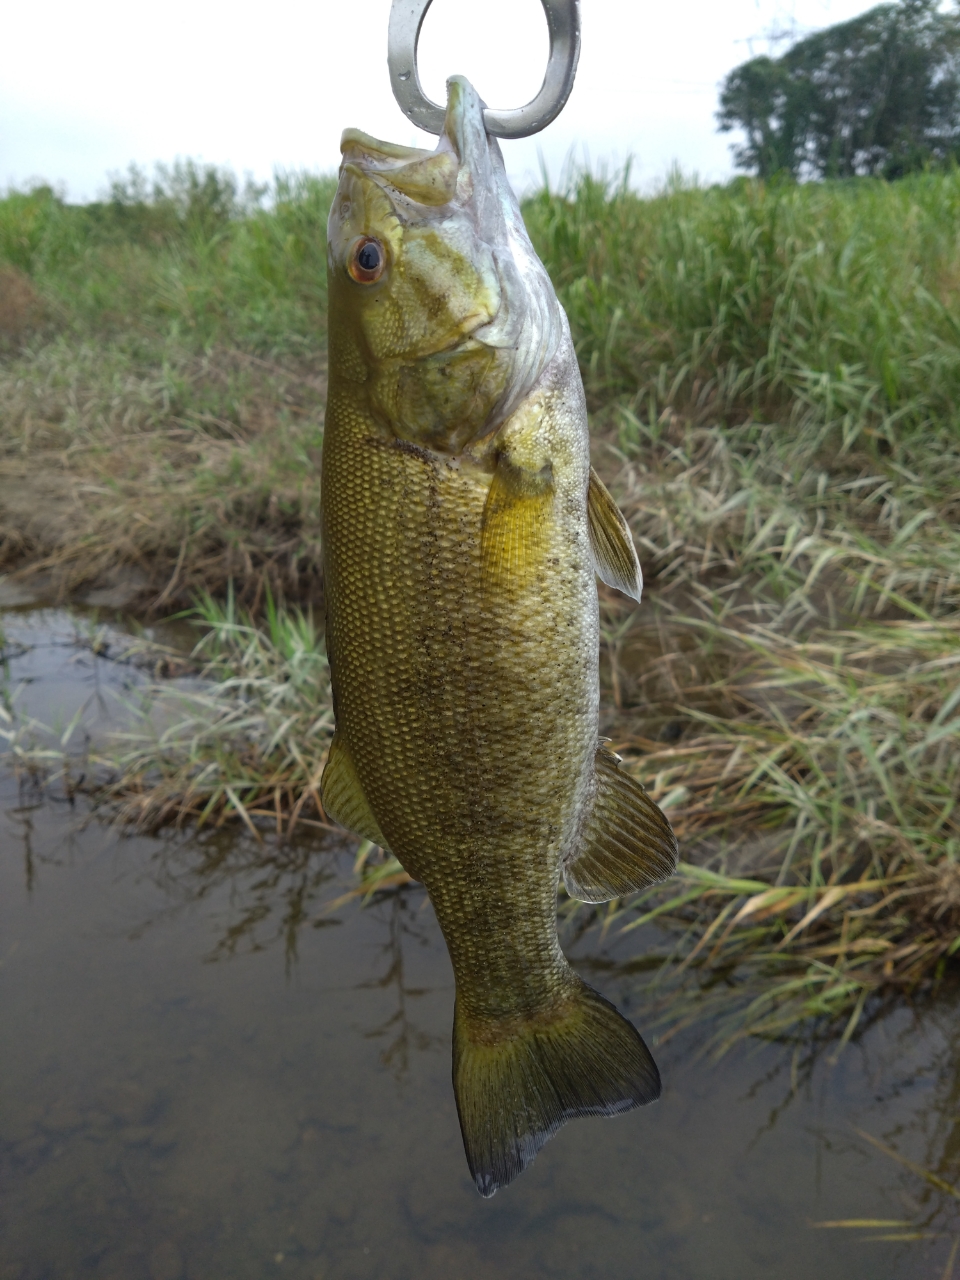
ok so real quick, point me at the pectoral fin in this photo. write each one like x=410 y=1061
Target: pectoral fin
x=614 y=555
x=627 y=843
x=513 y=542
x=343 y=798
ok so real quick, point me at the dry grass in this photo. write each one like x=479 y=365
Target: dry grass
x=774 y=382
x=164 y=422
x=816 y=803
x=794 y=701
x=193 y=473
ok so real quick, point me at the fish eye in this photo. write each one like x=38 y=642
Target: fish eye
x=367 y=261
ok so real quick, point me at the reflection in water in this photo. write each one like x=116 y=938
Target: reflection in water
x=206 y=1072
x=180 y=1117
x=404 y=907
x=923 y=1146
x=22 y=817
x=272 y=891
x=276 y=891
x=165 y=1115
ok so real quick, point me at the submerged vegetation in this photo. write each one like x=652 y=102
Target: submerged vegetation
x=774 y=378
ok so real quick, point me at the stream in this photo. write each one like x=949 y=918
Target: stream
x=206 y=1071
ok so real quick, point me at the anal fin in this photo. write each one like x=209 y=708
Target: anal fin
x=343 y=798
x=614 y=555
x=627 y=844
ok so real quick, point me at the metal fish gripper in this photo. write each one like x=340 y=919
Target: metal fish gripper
x=403 y=35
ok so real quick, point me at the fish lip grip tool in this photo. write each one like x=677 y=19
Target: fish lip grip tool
x=403 y=34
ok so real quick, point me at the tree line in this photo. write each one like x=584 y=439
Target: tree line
x=878 y=95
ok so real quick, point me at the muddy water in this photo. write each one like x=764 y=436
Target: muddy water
x=206 y=1073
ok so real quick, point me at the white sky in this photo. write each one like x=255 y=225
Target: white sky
x=88 y=87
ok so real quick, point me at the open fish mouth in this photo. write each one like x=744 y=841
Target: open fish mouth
x=500 y=294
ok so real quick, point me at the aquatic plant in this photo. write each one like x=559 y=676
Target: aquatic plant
x=248 y=741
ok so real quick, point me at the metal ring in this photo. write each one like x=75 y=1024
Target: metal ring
x=403 y=35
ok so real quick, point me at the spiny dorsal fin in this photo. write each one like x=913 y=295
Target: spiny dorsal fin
x=627 y=843
x=512 y=542
x=614 y=555
x=343 y=798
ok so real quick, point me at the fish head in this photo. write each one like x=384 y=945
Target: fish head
x=438 y=302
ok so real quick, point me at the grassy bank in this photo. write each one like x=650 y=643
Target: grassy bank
x=162 y=386
x=774 y=380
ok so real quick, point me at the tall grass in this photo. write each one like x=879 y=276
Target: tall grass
x=773 y=374
x=161 y=402
x=188 y=257
x=776 y=368
x=826 y=305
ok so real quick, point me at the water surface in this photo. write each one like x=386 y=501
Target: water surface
x=207 y=1073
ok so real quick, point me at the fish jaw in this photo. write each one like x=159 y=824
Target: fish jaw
x=461 y=320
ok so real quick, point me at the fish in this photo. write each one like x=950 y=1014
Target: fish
x=463 y=530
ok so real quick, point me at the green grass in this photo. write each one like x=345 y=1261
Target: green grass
x=189 y=259
x=830 y=306
x=251 y=743
x=773 y=373
x=162 y=380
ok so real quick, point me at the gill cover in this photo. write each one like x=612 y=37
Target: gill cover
x=461 y=319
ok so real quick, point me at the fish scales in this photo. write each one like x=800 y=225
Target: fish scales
x=460 y=553
x=471 y=717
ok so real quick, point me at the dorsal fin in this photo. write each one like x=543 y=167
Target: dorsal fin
x=614 y=555
x=627 y=843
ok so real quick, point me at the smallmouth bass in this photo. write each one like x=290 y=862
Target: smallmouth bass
x=462 y=531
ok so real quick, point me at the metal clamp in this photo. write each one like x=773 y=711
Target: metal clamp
x=403 y=35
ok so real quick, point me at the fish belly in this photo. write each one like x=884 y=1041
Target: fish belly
x=470 y=713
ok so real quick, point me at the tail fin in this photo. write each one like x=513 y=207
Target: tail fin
x=518 y=1082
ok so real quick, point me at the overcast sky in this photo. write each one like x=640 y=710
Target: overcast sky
x=86 y=88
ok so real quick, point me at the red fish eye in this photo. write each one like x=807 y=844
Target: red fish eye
x=367 y=261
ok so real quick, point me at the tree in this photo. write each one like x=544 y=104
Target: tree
x=879 y=94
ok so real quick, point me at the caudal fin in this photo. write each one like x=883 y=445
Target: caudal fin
x=517 y=1082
